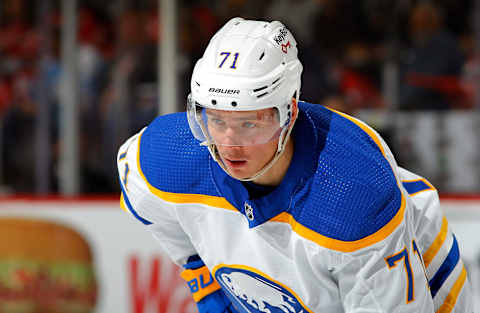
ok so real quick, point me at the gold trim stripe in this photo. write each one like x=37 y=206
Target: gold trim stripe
x=452 y=297
x=437 y=243
x=122 y=203
x=340 y=245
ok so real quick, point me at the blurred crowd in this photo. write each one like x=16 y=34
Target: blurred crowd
x=349 y=50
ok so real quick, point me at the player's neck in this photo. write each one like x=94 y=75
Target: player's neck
x=274 y=176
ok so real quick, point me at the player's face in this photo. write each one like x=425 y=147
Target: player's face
x=246 y=141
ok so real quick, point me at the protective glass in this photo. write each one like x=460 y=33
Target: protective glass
x=233 y=128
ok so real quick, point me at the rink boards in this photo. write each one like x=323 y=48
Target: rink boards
x=135 y=277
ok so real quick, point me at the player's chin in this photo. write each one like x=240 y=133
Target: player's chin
x=239 y=171
x=237 y=175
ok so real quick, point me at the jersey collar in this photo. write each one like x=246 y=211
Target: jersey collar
x=301 y=169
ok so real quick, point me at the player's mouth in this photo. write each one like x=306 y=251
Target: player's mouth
x=235 y=163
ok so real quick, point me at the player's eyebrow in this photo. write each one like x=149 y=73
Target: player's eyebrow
x=250 y=117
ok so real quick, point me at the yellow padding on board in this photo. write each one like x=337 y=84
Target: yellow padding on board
x=201 y=282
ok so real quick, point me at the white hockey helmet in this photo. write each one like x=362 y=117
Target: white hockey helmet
x=247 y=66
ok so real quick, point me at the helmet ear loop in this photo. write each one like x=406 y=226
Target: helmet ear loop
x=287 y=130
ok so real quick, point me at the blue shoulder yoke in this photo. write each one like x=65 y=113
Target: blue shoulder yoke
x=354 y=191
x=172 y=159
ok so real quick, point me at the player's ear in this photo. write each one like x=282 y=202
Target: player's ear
x=294 y=109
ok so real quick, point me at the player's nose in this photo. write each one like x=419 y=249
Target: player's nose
x=232 y=152
x=231 y=137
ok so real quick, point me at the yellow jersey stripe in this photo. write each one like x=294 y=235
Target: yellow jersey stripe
x=122 y=203
x=340 y=245
x=213 y=201
x=452 y=297
x=437 y=243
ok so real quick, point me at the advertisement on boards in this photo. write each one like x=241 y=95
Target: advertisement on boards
x=90 y=256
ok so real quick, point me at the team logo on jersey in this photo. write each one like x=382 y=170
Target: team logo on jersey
x=249 y=211
x=252 y=291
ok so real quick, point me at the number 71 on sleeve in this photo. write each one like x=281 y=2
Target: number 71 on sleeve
x=402 y=256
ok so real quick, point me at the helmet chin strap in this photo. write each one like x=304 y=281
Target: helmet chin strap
x=284 y=136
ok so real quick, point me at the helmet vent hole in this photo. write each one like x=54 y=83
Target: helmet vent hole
x=234 y=103
x=263 y=94
x=258 y=89
x=261 y=56
x=214 y=102
x=198 y=84
x=276 y=80
x=236 y=23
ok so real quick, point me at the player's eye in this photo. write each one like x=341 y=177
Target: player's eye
x=249 y=125
x=218 y=122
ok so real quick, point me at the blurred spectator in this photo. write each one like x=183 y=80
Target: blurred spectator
x=337 y=24
x=351 y=83
x=358 y=78
x=340 y=64
x=14 y=27
x=249 y=9
x=93 y=54
x=6 y=92
x=129 y=99
x=18 y=135
x=298 y=16
x=343 y=52
x=19 y=66
x=471 y=72
x=319 y=77
x=434 y=63
x=197 y=24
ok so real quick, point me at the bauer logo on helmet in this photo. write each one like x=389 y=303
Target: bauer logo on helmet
x=224 y=91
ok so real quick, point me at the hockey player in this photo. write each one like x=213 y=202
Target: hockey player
x=265 y=216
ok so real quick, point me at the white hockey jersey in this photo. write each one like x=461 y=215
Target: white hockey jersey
x=347 y=230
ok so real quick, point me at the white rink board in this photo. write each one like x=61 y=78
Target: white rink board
x=120 y=244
